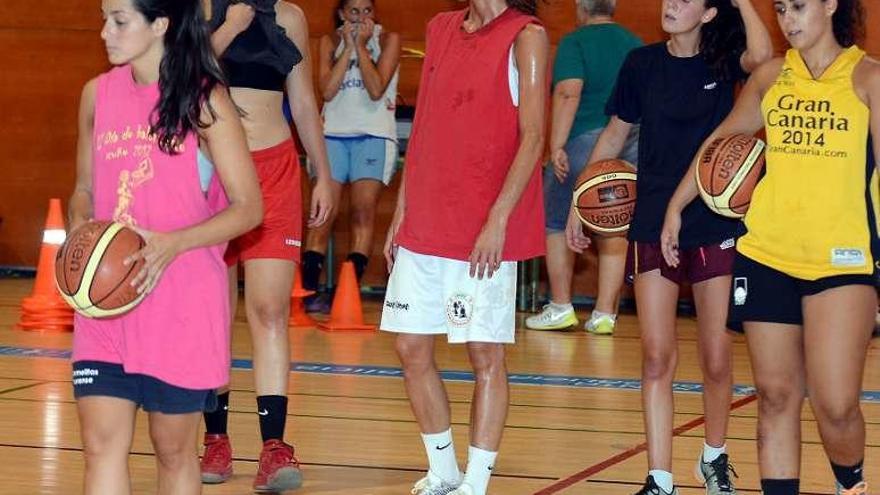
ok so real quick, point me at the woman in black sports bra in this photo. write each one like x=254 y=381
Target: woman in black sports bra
x=263 y=48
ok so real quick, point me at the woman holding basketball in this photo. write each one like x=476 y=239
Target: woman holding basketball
x=679 y=91
x=141 y=126
x=804 y=278
x=263 y=48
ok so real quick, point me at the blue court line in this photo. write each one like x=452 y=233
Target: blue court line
x=584 y=382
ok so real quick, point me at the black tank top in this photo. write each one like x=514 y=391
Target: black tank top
x=262 y=55
x=253 y=73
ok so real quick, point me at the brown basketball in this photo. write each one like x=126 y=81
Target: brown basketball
x=728 y=171
x=605 y=199
x=90 y=272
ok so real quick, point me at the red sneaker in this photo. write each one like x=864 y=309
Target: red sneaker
x=217 y=459
x=279 y=469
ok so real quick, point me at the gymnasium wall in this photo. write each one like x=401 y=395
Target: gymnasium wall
x=52 y=49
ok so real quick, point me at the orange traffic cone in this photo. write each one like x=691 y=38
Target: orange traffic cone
x=44 y=309
x=347 y=313
x=298 y=316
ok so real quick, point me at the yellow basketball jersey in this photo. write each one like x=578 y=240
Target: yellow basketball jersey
x=813 y=214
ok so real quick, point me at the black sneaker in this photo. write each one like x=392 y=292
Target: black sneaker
x=651 y=488
x=715 y=475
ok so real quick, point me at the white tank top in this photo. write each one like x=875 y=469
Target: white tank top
x=352 y=112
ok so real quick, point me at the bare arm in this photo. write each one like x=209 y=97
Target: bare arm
x=227 y=144
x=396 y=221
x=531 y=52
x=759 y=45
x=745 y=118
x=377 y=76
x=238 y=17
x=301 y=95
x=566 y=98
x=81 y=206
x=867 y=83
x=610 y=144
x=331 y=72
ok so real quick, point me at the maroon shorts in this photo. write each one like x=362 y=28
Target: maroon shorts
x=696 y=264
x=280 y=234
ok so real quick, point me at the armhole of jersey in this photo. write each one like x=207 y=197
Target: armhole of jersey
x=206 y=170
x=513 y=77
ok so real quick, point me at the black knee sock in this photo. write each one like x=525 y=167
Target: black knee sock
x=781 y=487
x=273 y=414
x=848 y=476
x=216 y=422
x=360 y=261
x=312 y=264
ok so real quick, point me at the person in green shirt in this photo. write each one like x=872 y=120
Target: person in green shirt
x=587 y=62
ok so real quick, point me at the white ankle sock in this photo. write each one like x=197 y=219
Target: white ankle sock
x=711 y=453
x=479 y=469
x=561 y=308
x=663 y=479
x=598 y=314
x=441 y=456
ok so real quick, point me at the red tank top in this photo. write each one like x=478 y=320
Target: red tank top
x=465 y=137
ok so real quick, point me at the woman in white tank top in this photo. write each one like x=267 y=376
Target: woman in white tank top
x=358 y=80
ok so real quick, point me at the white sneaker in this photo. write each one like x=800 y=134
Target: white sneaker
x=601 y=324
x=551 y=318
x=464 y=489
x=433 y=485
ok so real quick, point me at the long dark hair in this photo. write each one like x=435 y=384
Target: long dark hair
x=188 y=73
x=849 y=22
x=525 y=6
x=723 y=40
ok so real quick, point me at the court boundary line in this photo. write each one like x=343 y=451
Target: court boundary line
x=255 y=460
x=597 y=468
x=563 y=381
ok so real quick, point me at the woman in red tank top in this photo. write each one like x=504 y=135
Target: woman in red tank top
x=470 y=206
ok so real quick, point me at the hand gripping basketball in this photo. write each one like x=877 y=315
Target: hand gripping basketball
x=159 y=251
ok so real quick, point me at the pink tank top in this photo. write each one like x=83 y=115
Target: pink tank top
x=180 y=332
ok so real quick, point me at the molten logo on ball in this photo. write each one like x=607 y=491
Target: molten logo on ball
x=605 y=196
x=90 y=271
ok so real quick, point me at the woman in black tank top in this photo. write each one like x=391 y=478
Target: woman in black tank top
x=678 y=91
x=263 y=48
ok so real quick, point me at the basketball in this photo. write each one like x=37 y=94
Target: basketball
x=605 y=199
x=728 y=171
x=90 y=273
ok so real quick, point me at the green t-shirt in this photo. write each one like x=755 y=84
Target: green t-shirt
x=593 y=54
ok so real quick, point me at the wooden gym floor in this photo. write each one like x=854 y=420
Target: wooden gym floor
x=575 y=423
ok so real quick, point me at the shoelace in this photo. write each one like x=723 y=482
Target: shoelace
x=421 y=488
x=860 y=489
x=546 y=313
x=280 y=453
x=650 y=488
x=721 y=469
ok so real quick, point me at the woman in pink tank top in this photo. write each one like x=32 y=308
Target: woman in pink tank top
x=141 y=126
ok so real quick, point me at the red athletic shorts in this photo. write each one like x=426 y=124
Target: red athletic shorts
x=280 y=234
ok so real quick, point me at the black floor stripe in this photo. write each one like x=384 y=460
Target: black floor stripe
x=254 y=460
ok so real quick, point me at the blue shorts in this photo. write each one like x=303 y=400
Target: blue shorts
x=557 y=196
x=100 y=379
x=361 y=157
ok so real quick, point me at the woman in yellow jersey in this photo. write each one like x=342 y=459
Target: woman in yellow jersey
x=804 y=285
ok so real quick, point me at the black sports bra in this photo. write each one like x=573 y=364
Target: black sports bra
x=262 y=55
x=253 y=72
